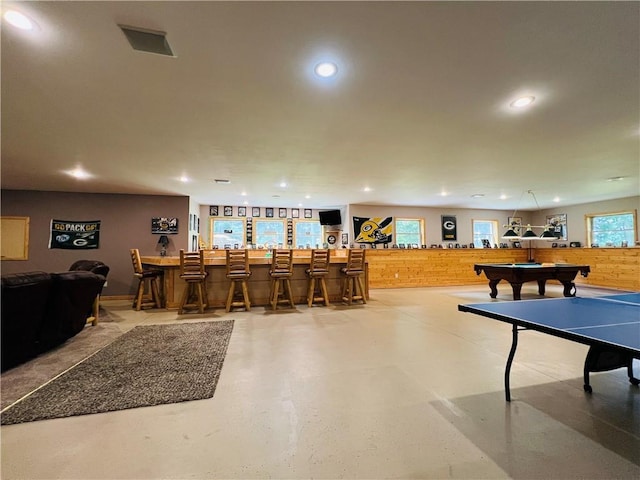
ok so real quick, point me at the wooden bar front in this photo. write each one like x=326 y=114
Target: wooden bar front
x=259 y=282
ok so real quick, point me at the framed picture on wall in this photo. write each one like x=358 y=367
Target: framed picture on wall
x=295 y=213
x=255 y=212
x=269 y=212
x=282 y=212
x=514 y=222
x=228 y=211
x=213 y=211
x=558 y=225
x=307 y=213
x=242 y=211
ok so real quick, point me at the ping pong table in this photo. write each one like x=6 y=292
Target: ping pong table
x=609 y=324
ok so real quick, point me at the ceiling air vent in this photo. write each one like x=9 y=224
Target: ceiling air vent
x=147 y=40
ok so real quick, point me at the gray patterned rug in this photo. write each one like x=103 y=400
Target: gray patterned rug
x=149 y=365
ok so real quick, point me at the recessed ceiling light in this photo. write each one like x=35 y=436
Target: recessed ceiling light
x=366 y=189
x=444 y=194
x=283 y=184
x=222 y=181
x=184 y=179
x=503 y=197
x=326 y=69
x=522 y=102
x=307 y=196
x=19 y=20
x=556 y=199
x=245 y=202
x=79 y=174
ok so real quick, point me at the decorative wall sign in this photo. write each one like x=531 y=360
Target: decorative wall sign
x=514 y=222
x=249 y=231
x=164 y=225
x=282 y=212
x=269 y=212
x=228 y=211
x=307 y=213
x=373 y=229
x=295 y=213
x=213 y=210
x=558 y=225
x=242 y=211
x=74 y=235
x=449 y=227
x=289 y=231
x=255 y=212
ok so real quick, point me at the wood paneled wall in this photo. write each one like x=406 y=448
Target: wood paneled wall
x=432 y=267
x=610 y=267
x=396 y=268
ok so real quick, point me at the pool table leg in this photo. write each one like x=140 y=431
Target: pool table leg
x=516 y=287
x=541 y=286
x=493 y=285
x=569 y=289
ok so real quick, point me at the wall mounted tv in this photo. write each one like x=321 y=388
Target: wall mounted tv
x=330 y=217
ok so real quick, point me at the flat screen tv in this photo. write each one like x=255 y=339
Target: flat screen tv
x=330 y=217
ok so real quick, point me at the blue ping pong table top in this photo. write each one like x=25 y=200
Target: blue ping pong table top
x=608 y=319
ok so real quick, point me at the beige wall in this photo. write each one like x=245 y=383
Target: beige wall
x=432 y=219
x=125 y=223
x=576 y=222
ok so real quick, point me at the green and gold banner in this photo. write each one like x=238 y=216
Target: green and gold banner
x=373 y=229
x=449 y=227
x=73 y=235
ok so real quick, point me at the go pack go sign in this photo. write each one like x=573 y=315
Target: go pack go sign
x=72 y=235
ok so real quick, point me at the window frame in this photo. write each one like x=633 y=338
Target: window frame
x=258 y=221
x=495 y=228
x=295 y=233
x=589 y=217
x=212 y=221
x=421 y=233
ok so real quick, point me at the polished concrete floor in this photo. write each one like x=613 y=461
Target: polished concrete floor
x=403 y=387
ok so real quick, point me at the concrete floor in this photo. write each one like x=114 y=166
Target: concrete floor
x=403 y=387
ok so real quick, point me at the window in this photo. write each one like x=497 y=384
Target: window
x=269 y=233
x=612 y=229
x=485 y=230
x=409 y=231
x=227 y=232
x=308 y=234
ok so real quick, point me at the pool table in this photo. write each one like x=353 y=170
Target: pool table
x=518 y=273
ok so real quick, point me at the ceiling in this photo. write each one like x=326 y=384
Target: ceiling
x=419 y=107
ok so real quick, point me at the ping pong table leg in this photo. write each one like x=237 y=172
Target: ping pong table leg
x=512 y=353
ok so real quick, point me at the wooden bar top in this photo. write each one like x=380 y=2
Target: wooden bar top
x=256 y=257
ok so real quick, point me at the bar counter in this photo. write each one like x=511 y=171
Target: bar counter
x=259 y=282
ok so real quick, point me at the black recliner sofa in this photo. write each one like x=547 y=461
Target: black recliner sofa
x=41 y=310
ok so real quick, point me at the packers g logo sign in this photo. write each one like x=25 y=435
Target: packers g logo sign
x=449 y=227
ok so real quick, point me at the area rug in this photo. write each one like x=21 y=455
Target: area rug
x=149 y=365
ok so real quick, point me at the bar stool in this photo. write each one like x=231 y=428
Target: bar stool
x=147 y=281
x=318 y=270
x=281 y=271
x=192 y=271
x=238 y=272
x=352 y=277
